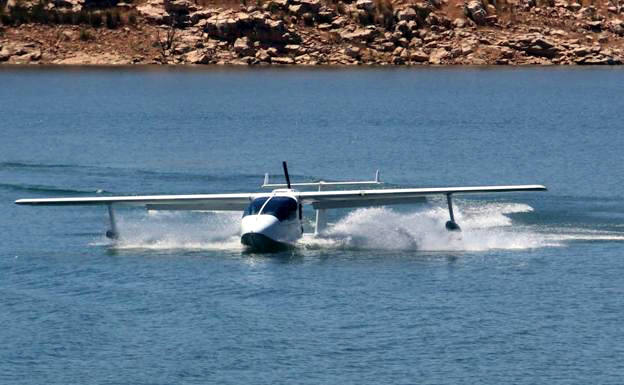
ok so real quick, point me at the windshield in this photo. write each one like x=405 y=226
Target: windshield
x=255 y=206
x=283 y=208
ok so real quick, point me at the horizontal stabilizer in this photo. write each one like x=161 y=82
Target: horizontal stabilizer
x=321 y=183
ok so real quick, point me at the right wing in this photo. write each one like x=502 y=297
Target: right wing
x=382 y=197
x=218 y=202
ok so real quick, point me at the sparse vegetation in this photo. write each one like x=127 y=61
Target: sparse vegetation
x=167 y=43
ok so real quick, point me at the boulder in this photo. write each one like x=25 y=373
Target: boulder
x=256 y=26
x=296 y=9
x=360 y=34
x=543 y=51
x=282 y=60
x=418 y=56
x=304 y=59
x=243 y=47
x=388 y=46
x=89 y=58
x=581 y=52
x=69 y=35
x=535 y=45
x=183 y=7
x=438 y=20
x=263 y=55
x=459 y=23
x=325 y=16
x=74 y=5
x=407 y=14
x=202 y=14
x=312 y=6
x=616 y=26
x=197 y=57
x=272 y=51
x=274 y=5
x=574 y=7
x=438 y=55
x=598 y=60
x=28 y=4
x=366 y=5
x=5 y=54
x=292 y=48
x=466 y=49
x=594 y=26
x=474 y=10
x=154 y=12
x=352 y=51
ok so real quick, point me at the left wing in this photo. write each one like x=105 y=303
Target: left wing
x=382 y=197
x=226 y=202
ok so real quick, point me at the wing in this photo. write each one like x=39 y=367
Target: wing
x=225 y=202
x=365 y=198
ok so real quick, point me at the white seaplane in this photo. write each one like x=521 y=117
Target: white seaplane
x=273 y=221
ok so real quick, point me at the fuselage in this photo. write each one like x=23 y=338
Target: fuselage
x=273 y=222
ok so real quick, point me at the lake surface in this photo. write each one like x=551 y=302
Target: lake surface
x=532 y=292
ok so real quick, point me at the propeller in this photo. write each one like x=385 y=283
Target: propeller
x=286 y=173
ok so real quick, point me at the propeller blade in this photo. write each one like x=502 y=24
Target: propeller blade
x=286 y=173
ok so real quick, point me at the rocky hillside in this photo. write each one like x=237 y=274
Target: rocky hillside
x=313 y=32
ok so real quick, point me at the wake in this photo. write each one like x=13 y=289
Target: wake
x=485 y=226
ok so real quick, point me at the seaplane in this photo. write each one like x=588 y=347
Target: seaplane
x=273 y=221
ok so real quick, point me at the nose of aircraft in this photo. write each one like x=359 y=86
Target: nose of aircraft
x=259 y=224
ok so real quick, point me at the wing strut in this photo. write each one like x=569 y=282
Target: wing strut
x=321 y=216
x=112 y=233
x=451 y=225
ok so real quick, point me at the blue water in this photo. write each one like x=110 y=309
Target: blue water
x=530 y=293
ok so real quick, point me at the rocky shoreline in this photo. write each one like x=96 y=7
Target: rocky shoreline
x=311 y=32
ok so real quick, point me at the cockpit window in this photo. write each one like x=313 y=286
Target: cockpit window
x=283 y=208
x=255 y=206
